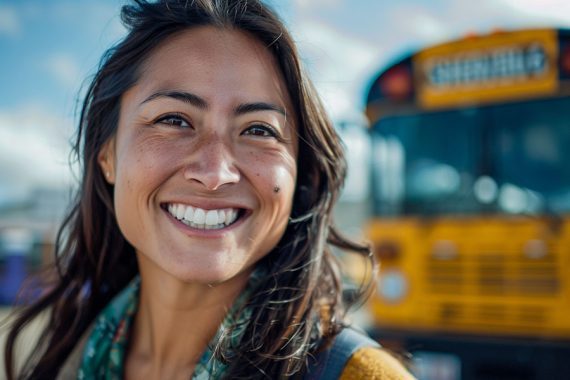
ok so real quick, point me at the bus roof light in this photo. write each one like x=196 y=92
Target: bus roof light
x=397 y=83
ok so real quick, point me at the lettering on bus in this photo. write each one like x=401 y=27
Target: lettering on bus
x=495 y=66
x=487 y=69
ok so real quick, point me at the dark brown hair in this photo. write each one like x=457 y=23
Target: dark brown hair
x=299 y=306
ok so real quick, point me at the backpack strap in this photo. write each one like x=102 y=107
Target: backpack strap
x=331 y=362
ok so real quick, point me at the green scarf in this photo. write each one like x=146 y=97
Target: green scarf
x=104 y=353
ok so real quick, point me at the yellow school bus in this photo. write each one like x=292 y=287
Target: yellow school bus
x=471 y=195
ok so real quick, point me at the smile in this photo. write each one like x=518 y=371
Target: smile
x=196 y=217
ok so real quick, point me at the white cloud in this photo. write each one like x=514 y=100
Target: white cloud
x=33 y=150
x=9 y=21
x=553 y=10
x=343 y=61
x=103 y=18
x=336 y=62
x=317 y=4
x=455 y=19
x=64 y=69
x=405 y=21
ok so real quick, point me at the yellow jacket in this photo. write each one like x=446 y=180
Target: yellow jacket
x=374 y=364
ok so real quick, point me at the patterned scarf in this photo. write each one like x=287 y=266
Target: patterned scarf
x=104 y=353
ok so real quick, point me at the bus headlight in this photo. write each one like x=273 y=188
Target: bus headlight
x=392 y=285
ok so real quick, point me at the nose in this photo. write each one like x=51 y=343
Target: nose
x=212 y=164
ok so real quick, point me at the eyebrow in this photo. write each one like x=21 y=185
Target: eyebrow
x=258 y=106
x=185 y=97
x=198 y=102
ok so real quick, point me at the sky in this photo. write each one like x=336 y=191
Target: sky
x=49 y=50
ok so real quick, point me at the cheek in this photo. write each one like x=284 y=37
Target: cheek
x=139 y=154
x=141 y=167
x=143 y=161
x=283 y=183
x=272 y=168
x=275 y=181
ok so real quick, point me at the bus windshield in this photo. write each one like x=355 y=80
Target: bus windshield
x=508 y=158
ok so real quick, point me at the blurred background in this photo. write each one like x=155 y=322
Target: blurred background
x=457 y=162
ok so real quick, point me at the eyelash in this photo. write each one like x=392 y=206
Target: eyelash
x=167 y=120
x=272 y=132
x=178 y=118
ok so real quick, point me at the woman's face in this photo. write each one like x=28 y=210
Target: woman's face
x=204 y=159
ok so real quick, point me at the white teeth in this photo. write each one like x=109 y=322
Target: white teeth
x=221 y=216
x=189 y=214
x=199 y=216
x=231 y=216
x=211 y=218
x=179 y=212
x=203 y=219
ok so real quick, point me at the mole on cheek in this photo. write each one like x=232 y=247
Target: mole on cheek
x=276 y=189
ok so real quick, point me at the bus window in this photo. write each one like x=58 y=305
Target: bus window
x=530 y=151
x=500 y=159
x=435 y=162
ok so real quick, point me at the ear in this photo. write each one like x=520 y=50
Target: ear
x=106 y=160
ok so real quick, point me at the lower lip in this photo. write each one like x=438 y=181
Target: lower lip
x=198 y=232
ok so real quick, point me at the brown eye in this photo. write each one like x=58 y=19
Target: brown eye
x=260 y=130
x=173 y=121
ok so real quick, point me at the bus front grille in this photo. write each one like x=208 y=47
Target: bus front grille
x=494 y=275
x=493 y=289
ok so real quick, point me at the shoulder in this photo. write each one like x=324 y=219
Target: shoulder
x=374 y=363
x=354 y=355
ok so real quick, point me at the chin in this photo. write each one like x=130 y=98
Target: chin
x=216 y=267
x=206 y=275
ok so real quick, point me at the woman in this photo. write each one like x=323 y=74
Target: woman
x=198 y=245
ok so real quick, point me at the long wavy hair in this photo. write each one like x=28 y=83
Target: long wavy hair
x=298 y=308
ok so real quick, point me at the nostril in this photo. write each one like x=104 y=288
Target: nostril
x=212 y=175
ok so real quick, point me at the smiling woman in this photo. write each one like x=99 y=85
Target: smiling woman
x=199 y=243
x=205 y=130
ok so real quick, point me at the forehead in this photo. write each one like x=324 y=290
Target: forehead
x=217 y=64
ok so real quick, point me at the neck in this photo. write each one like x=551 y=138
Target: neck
x=175 y=321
